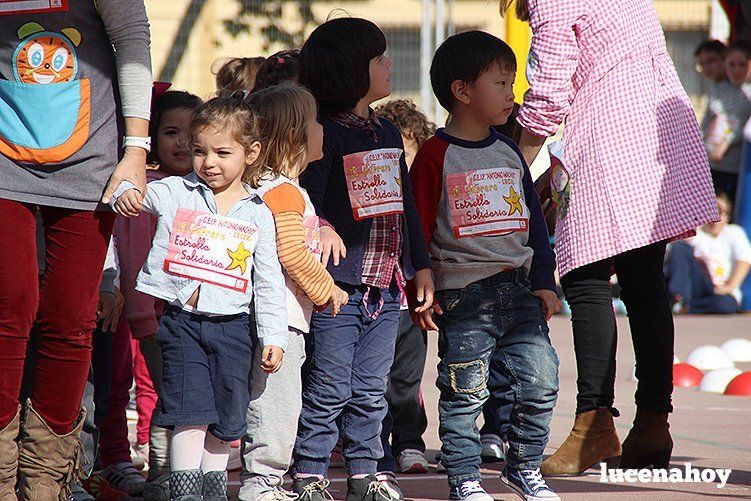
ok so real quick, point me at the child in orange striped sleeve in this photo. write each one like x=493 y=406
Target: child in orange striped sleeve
x=292 y=137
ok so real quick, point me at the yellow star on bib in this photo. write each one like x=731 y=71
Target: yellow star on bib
x=514 y=202
x=239 y=257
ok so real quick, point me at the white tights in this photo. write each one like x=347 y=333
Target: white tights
x=192 y=448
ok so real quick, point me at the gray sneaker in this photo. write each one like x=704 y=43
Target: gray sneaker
x=493 y=448
x=157 y=489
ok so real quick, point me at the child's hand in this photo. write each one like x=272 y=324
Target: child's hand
x=424 y=321
x=717 y=153
x=109 y=309
x=425 y=289
x=128 y=204
x=331 y=245
x=338 y=299
x=550 y=302
x=271 y=359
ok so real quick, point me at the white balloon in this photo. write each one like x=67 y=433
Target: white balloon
x=709 y=358
x=738 y=349
x=717 y=380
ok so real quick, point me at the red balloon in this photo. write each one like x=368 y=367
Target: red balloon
x=686 y=376
x=740 y=385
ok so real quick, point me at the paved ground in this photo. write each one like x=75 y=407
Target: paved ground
x=710 y=431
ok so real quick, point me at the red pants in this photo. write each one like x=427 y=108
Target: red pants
x=64 y=304
x=145 y=395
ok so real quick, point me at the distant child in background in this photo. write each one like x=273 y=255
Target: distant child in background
x=493 y=267
x=278 y=68
x=237 y=73
x=292 y=137
x=170 y=156
x=728 y=110
x=213 y=255
x=406 y=421
x=362 y=189
x=704 y=273
x=710 y=60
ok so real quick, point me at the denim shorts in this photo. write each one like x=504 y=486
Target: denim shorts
x=206 y=377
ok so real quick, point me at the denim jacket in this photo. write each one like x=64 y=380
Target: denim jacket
x=163 y=199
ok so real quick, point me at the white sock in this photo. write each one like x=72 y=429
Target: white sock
x=186 y=447
x=215 y=454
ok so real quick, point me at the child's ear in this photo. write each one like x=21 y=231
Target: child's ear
x=254 y=151
x=460 y=91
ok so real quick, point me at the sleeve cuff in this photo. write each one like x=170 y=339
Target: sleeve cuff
x=541 y=277
x=279 y=340
x=125 y=185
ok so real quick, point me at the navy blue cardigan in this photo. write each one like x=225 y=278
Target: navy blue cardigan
x=326 y=185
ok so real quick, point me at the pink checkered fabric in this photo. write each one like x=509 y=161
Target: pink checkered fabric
x=380 y=263
x=633 y=150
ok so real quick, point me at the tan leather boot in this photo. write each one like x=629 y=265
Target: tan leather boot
x=47 y=462
x=9 y=458
x=592 y=440
x=648 y=444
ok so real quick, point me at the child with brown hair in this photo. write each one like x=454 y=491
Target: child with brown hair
x=237 y=73
x=213 y=254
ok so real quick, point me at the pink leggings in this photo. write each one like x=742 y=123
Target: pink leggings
x=64 y=305
x=145 y=394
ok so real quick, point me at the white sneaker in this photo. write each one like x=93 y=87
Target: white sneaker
x=493 y=449
x=412 y=461
x=124 y=476
x=469 y=491
x=389 y=483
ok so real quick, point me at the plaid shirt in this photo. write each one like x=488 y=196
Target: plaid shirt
x=381 y=260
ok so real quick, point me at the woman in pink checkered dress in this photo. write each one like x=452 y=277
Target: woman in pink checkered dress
x=634 y=176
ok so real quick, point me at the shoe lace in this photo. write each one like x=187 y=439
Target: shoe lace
x=534 y=478
x=471 y=487
x=282 y=495
x=378 y=488
x=320 y=487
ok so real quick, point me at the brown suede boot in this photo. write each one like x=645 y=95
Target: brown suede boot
x=9 y=458
x=592 y=440
x=48 y=462
x=648 y=444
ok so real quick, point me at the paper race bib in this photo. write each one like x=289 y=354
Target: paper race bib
x=9 y=7
x=374 y=182
x=213 y=249
x=486 y=202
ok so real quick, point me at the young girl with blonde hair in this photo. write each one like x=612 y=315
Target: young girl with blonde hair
x=292 y=138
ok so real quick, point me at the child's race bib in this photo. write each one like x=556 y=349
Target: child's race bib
x=374 y=182
x=486 y=202
x=213 y=249
x=9 y=7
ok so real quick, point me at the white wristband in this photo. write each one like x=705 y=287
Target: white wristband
x=138 y=142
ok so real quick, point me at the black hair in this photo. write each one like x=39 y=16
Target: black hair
x=278 y=68
x=170 y=100
x=711 y=46
x=741 y=46
x=335 y=62
x=466 y=56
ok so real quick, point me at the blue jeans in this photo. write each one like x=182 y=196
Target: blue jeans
x=350 y=356
x=687 y=279
x=500 y=314
x=497 y=410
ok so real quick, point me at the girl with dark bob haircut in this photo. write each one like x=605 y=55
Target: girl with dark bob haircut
x=334 y=62
x=372 y=232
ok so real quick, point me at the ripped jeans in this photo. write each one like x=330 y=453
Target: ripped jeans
x=498 y=313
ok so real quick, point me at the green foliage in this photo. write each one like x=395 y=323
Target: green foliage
x=275 y=30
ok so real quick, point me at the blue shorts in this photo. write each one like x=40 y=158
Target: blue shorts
x=206 y=377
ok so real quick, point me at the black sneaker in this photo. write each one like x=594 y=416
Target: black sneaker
x=368 y=489
x=312 y=489
x=186 y=485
